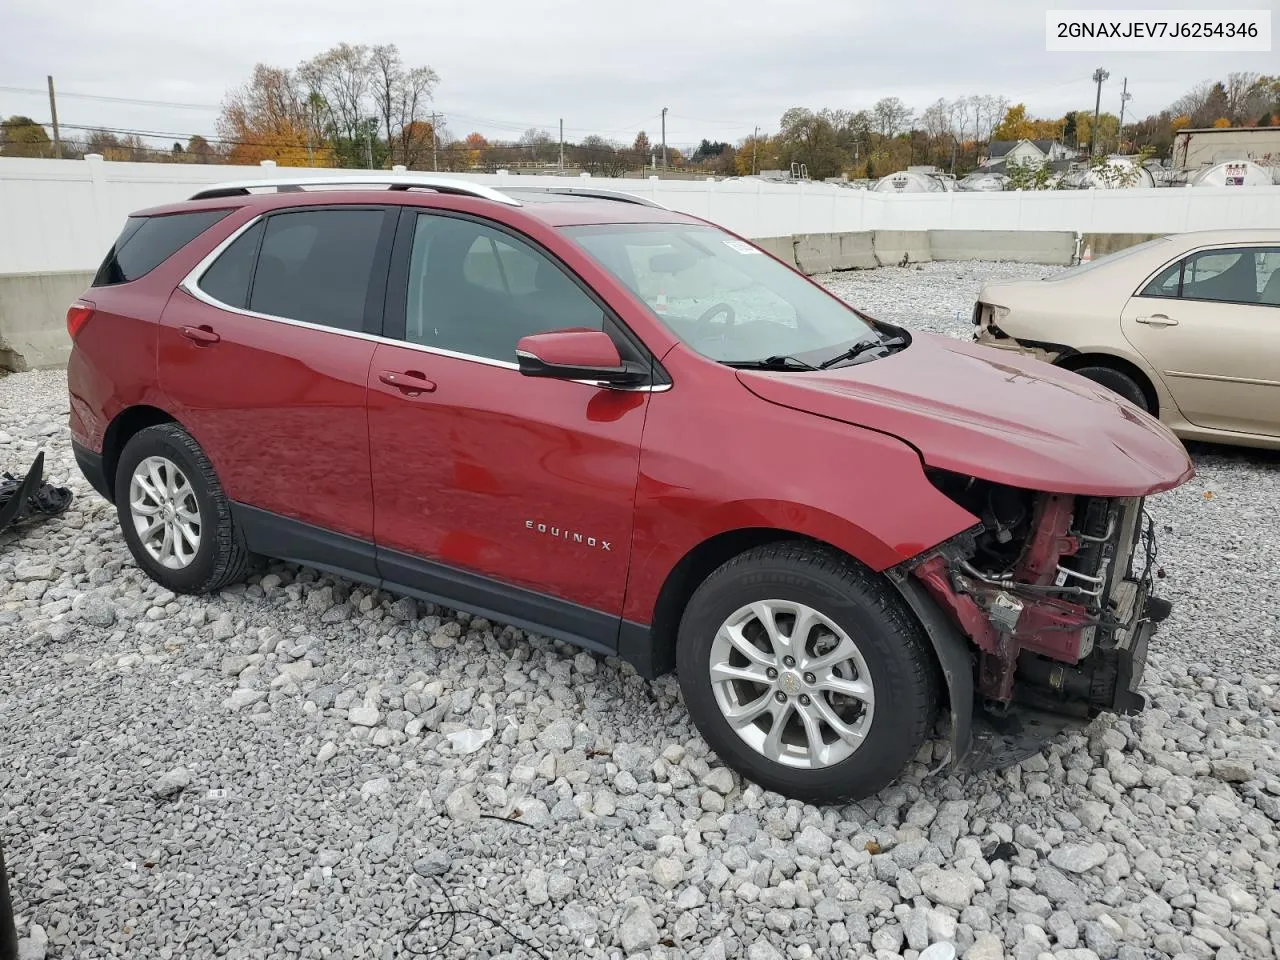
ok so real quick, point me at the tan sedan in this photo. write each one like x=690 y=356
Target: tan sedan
x=1185 y=326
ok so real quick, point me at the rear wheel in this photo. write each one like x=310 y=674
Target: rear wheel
x=174 y=515
x=806 y=673
x=1118 y=382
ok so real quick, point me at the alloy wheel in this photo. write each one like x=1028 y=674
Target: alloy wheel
x=792 y=684
x=165 y=512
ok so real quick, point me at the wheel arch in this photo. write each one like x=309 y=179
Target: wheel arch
x=1077 y=361
x=698 y=563
x=123 y=427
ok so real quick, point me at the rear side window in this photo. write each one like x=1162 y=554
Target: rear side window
x=315 y=266
x=227 y=281
x=146 y=242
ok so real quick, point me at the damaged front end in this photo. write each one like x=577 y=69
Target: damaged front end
x=1054 y=593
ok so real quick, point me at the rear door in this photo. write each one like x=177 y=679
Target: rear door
x=1210 y=324
x=265 y=351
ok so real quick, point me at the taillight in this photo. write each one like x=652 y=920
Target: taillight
x=77 y=316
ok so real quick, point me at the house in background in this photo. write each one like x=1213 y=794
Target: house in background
x=1002 y=153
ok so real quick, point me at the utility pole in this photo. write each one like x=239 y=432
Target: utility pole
x=1099 y=76
x=755 y=139
x=435 y=164
x=53 y=112
x=664 y=138
x=1125 y=97
x=562 y=144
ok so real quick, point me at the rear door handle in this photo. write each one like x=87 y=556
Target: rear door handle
x=1157 y=320
x=410 y=382
x=202 y=335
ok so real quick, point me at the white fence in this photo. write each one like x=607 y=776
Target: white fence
x=63 y=214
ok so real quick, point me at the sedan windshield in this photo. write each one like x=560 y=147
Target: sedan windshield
x=726 y=299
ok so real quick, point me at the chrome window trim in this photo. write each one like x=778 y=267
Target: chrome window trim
x=190 y=285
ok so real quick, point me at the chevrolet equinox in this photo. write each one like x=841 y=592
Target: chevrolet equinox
x=588 y=416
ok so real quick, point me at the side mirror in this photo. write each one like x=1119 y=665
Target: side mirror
x=577 y=355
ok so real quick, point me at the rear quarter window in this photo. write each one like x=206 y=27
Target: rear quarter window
x=146 y=242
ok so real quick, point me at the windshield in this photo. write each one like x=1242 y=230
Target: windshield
x=721 y=296
x=1109 y=258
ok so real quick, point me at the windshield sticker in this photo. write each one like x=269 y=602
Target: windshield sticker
x=740 y=245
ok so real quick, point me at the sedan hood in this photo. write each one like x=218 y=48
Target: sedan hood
x=989 y=414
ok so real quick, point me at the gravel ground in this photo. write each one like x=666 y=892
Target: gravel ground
x=304 y=767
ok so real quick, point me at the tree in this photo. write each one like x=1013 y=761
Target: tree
x=538 y=144
x=811 y=139
x=1014 y=126
x=401 y=96
x=753 y=154
x=1265 y=120
x=23 y=137
x=476 y=146
x=340 y=82
x=200 y=148
x=1222 y=123
x=642 y=149
x=272 y=118
x=891 y=116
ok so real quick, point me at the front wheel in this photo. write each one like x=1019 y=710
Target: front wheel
x=806 y=673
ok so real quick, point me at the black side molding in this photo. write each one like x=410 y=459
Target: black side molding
x=293 y=540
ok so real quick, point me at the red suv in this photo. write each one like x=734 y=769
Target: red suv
x=623 y=427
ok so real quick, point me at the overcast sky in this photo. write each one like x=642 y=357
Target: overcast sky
x=720 y=66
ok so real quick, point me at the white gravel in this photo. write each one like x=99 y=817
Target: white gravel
x=303 y=767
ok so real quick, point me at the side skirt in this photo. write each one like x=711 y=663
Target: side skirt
x=294 y=541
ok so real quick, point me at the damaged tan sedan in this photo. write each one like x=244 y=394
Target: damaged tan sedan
x=1187 y=327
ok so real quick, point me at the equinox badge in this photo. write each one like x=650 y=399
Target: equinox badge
x=564 y=534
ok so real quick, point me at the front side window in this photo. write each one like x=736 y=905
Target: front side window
x=722 y=296
x=146 y=242
x=315 y=266
x=476 y=290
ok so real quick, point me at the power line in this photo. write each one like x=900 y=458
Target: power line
x=106 y=99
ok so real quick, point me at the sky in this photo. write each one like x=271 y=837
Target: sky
x=721 y=67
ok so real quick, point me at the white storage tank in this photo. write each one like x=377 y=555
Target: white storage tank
x=1124 y=173
x=908 y=181
x=1234 y=173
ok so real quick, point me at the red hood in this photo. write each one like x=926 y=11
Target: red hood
x=990 y=414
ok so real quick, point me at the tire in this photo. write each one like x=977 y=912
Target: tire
x=218 y=555
x=1117 y=382
x=893 y=657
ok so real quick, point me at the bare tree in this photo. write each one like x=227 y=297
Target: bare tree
x=1193 y=103
x=892 y=116
x=386 y=75
x=1242 y=95
x=343 y=78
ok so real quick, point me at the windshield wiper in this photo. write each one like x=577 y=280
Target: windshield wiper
x=861 y=347
x=778 y=361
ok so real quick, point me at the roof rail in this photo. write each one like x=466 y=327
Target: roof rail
x=593 y=192
x=451 y=185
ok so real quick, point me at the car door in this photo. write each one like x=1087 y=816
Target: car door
x=265 y=352
x=493 y=490
x=1210 y=324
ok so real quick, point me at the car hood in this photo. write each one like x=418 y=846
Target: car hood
x=994 y=415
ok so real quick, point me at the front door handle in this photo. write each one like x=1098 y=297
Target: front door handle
x=1157 y=320
x=409 y=382
x=202 y=335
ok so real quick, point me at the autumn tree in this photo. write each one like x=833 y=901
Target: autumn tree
x=642 y=149
x=753 y=154
x=272 y=118
x=23 y=137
